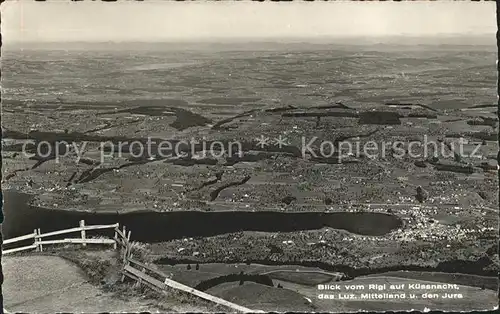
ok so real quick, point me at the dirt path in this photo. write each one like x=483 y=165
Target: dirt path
x=51 y=284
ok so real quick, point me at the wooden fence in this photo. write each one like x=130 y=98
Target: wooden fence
x=39 y=242
x=143 y=274
x=146 y=275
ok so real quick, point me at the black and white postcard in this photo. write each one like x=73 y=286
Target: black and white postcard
x=243 y=156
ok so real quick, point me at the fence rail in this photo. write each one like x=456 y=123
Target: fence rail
x=21 y=238
x=24 y=248
x=143 y=274
x=80 y=241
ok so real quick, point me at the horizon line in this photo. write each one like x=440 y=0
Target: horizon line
x=257 y=39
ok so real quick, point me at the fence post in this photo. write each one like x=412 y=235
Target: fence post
x=40 y=239
x=116 y=239
x=124 y=233
x=129 y=246
x=35 y=233
x=82 y=225
x=126 y=251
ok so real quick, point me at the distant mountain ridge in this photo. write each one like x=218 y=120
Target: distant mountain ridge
x=438 y=41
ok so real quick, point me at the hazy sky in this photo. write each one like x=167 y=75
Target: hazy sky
x=170 y=21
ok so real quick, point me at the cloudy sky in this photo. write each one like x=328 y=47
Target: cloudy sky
x=29 y=21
